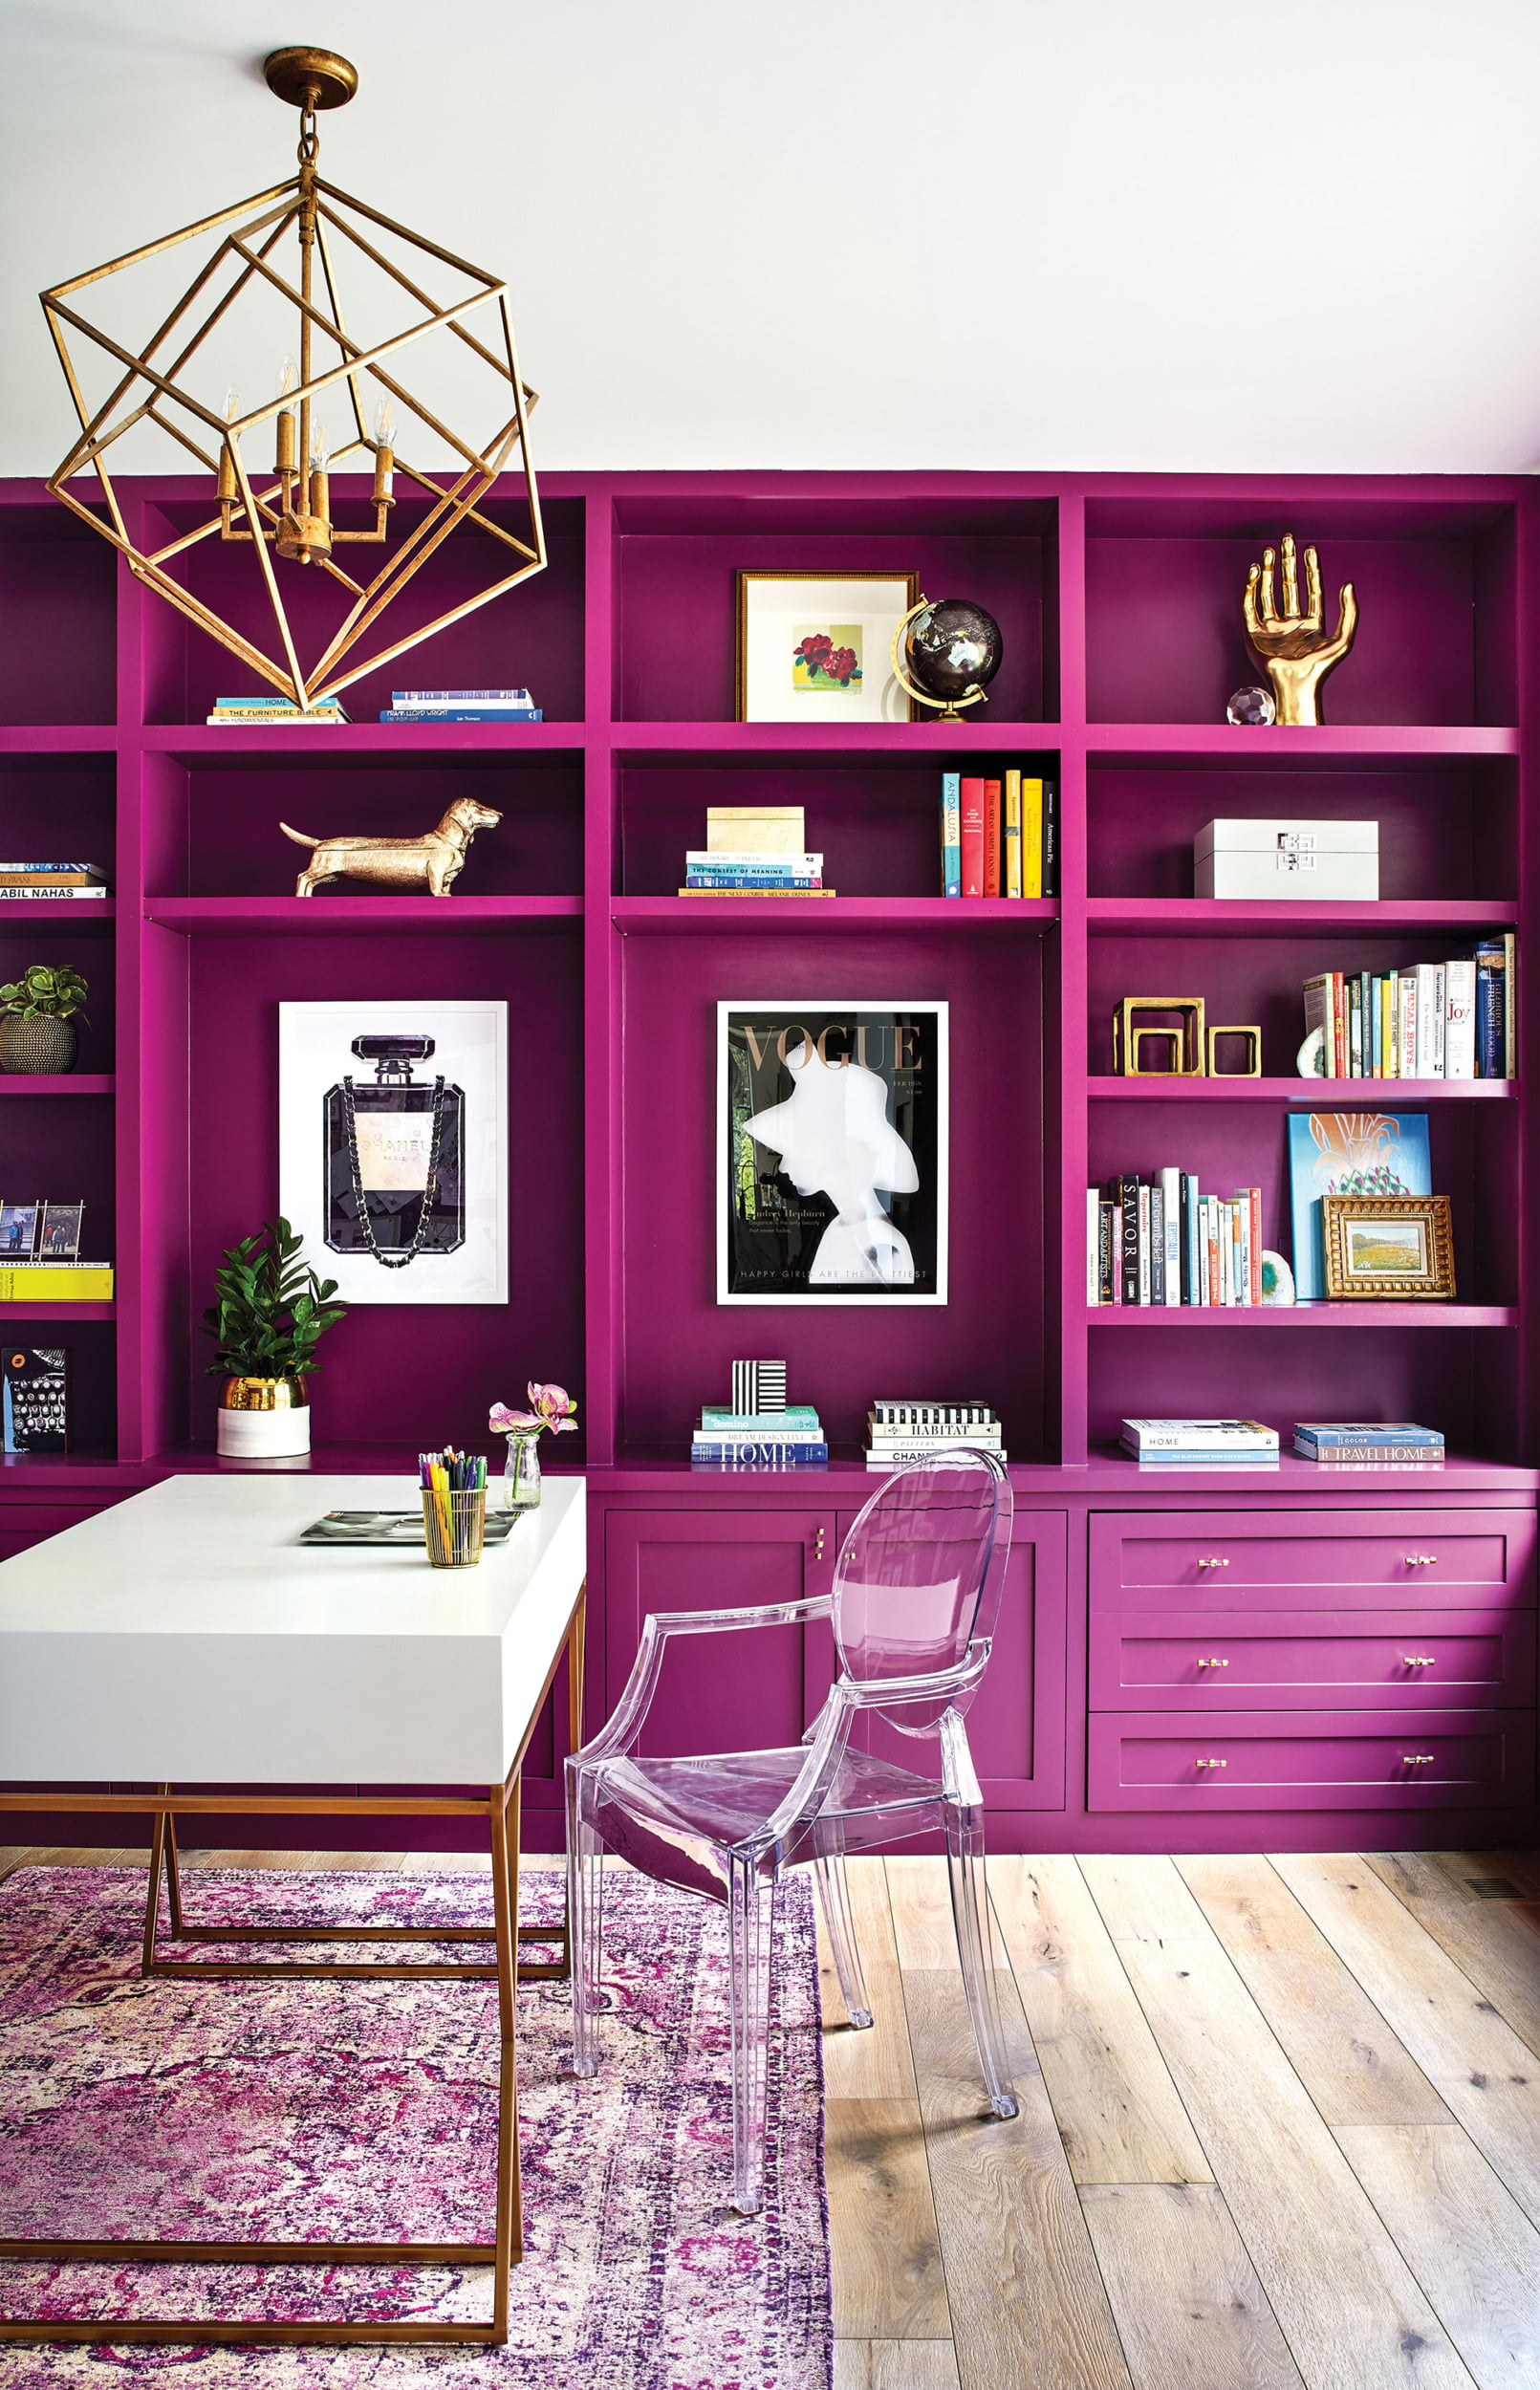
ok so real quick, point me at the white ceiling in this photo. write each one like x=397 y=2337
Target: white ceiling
x=1012 y=233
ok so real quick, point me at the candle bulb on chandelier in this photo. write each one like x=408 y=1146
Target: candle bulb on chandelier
x=230 y=488
x=285 y=462
x=320 y=483
x=384 y=455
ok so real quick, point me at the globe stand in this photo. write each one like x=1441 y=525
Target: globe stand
x=945 y=708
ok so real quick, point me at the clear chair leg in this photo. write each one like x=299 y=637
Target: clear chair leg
x=585 y=1917
x=834 y=1892
x=751 y=1928
x=965 y=1855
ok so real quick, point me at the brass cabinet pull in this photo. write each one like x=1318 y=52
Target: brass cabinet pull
x=1213 y=1564
x=1417 y=1759
x=1211 y=1763
x=1421 y=1559
x=1420 y=1659
x=817 y=1548
x=1213 y=1664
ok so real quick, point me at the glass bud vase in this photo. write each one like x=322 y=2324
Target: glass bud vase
x=521 y=1470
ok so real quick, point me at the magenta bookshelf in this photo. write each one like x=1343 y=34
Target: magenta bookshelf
x=1119 y=597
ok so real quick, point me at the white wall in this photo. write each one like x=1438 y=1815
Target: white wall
x=1055 y=233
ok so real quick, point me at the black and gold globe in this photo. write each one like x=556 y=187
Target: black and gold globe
x=951 y=652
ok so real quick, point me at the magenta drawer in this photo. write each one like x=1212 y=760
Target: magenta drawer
x=1278 y=1760
x=23 y=1524
x=1205 y=1659
x=1440 y=1558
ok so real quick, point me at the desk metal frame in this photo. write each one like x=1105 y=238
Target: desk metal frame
x=500 y=1807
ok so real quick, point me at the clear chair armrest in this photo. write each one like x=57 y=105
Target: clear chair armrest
x=890 y=1692
x=630 y=1713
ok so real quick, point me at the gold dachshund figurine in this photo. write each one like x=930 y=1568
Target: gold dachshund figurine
x=1290 y=646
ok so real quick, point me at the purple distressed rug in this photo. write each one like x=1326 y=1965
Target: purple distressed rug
x=365 y=2110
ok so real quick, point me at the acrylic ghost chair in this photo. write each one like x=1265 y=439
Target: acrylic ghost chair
x=917 y=1588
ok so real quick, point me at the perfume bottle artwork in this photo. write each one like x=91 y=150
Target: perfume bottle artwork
x=393 y=1151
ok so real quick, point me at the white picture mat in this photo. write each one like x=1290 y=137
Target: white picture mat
x=771 y=609
x=940 y=1007
x=315 y=1052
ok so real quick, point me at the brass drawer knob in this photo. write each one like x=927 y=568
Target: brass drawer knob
x=1213 y=1664
x=1417 y=1759
x=1213 y=1564
x=1211 y=1763
x=1420 y=1659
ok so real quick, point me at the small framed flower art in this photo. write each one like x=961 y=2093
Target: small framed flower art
x=816 y=647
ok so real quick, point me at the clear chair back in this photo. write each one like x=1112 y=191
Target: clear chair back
x=919 y=1575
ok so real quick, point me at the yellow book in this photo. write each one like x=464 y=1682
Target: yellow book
x=1012 y=841
x=1031 y=837
x=39 y=1282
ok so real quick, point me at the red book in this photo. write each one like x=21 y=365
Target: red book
x=991 y=837
x=972 y=838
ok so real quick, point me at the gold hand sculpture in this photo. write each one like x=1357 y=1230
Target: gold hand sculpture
x=1290 y=646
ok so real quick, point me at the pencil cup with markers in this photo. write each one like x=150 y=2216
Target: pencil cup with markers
x=454 y=1507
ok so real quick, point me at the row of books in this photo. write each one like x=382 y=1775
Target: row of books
x=1427 y=1020
x=1248 y=1443
x=1161 y=1241
x=898 y=1432
x=787 y=1438
x=406 y=705
x=52 y=883
x=999 y=838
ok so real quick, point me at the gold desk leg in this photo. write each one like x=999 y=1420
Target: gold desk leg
x=509 y=2232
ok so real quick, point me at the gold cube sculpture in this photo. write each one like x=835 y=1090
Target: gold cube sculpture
x=1251 y=1067
x=1184 y=1029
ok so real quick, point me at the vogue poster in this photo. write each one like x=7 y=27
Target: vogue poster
x=832 y=1146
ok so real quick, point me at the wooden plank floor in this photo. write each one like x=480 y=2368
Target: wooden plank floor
x=1280 y=2125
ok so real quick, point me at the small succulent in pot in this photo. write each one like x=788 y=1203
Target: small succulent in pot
x=271 y=1313
x=37 y=1017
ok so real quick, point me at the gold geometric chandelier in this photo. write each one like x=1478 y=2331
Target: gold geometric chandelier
x=284 y=514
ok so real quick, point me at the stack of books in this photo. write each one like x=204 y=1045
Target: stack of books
x=52 y=883
x=56 y=1282
x=789 y=1438
x=1202 y=1443
x=1366 y=1443
x=754 y=850
x=262 y=713
x=1429 y=1020
x=462 y=705
x=999 y=838
x=897 y=1432
x=1160 y=1240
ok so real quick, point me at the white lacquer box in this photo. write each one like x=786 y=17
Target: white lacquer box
x=1325 y=860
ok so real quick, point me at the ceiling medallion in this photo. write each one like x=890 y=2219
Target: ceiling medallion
x=276 y=257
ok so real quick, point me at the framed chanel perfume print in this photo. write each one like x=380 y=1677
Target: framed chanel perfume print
x=393 y=1146
x=832 y=1151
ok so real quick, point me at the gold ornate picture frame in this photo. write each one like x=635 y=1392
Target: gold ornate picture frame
x=1387 y=1248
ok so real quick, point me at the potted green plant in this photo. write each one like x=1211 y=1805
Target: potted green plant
x=37 y=1017
x=271 y=1313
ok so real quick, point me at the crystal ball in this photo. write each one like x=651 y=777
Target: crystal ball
x=1252 y=707
x=951 y=648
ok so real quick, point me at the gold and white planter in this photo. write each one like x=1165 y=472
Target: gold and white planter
x=263 y=1418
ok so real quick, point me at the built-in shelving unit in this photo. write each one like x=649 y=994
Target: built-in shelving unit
x=1119 y=602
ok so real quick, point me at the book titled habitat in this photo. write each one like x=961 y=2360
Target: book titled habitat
x=831 y=1152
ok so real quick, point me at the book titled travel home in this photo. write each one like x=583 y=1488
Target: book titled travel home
x=37 y=1399
x=831 y=1152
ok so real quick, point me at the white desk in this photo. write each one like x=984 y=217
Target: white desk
x=187 y=1636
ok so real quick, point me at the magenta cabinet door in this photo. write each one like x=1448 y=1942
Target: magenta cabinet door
x=1355 y=1759
x=754 y=1691
x=23 y=1524
x=1017 y=1726
x=1436 y=1557
x=1206 y=1659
